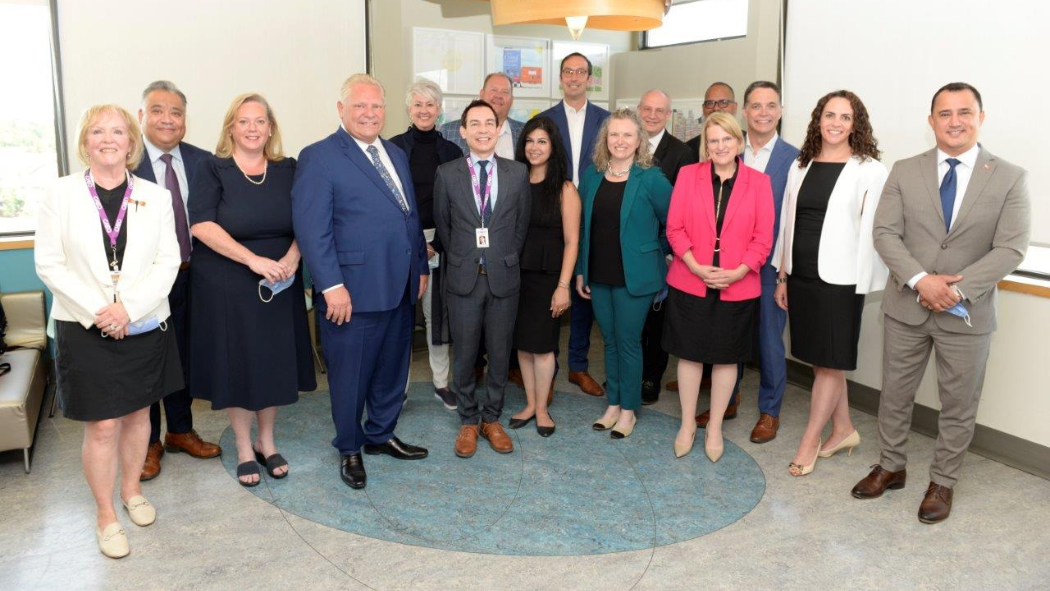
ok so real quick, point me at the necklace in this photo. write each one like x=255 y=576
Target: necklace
x=621 y=173
x=266 y=166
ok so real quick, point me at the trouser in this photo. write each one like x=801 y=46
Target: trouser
x=439 y=363
x=621 y=317
x=581 y=318
x=177 y=404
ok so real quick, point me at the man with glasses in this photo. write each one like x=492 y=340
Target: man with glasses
x=718 y=98
x=578 y=121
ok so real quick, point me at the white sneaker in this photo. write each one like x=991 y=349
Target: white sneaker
x=112 y=541
x=141 y=511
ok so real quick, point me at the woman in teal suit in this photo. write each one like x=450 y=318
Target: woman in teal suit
x=621 y=265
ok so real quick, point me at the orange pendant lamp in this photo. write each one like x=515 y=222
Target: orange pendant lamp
x=615 y=15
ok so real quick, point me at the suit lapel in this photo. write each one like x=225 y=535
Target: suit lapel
x=661 y=148
x=928 y=165
x=707 y=194
x=630 y=192
x=983 y=169
x=402 y=172
x=502 y=192
x=778 y=159
x=743 y=178
x=189 y=162
x=354 y=153
x=467 y=189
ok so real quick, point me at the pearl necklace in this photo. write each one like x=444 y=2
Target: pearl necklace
x=266 y=166
x=621 y=173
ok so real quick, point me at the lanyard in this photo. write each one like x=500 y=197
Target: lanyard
x=112 y=232
x=480 y=198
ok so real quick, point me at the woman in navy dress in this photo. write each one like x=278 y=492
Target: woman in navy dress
x=250 y=344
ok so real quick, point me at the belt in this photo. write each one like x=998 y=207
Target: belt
x=184 y=266
x=481 y=270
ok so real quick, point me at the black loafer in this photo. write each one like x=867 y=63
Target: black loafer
x=396 y=448
x=519 y=423
x=545 y=431
x=353 y=471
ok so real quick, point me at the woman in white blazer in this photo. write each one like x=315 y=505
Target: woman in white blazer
x=106 y=248
x=827 y=261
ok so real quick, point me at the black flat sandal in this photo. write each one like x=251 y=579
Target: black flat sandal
x=248 y=469
x=272 y=463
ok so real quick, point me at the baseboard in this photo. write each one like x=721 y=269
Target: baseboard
x=990 y=443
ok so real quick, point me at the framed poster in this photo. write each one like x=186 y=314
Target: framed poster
x=602 y=104
x=525 y=60
x=598 y=85
x=452 y=107
x=525 y=109
x=452 y=59
x=685 y=118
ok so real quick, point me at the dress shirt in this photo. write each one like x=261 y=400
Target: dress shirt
x=505 y=142
x=492 y=174
x=160 y=169
x=963 y=172
x=655 y=140
x=759 y=160
x=576 y=120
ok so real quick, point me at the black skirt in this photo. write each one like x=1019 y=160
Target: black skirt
x=102 y=378
x=535 y=331
x=825 y=322
x=707 y=329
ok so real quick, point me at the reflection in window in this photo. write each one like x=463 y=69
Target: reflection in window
x=700 y=20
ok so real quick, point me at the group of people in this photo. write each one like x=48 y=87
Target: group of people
x=502 y=228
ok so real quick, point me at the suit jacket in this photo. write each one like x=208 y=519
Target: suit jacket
x=447 y=151
x=987 y=241
x=350 y=228
x=457 y=218
x=72 y=263
x=747 y=229
x=191 y=157
x=643 y=212
x=450 y=131
x=592 y=123
x=847 y=255
x=780 y=160
x=694 y=145
x=672 y=154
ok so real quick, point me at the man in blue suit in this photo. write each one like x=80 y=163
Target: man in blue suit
x=578 y=121
x=355 y=217
x=498 y=92
x=766 y=151
x=171 y=163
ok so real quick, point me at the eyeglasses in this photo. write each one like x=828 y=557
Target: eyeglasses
x=719 y=103
x=577 y=71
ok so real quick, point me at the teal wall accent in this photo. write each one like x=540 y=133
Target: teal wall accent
x=17 y=272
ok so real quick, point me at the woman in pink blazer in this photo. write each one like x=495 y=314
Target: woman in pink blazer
x=720 y=227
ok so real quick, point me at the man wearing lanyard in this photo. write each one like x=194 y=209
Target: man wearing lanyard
x=171 y=163
x=482 y=205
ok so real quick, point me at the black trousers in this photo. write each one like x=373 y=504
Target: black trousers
x=177 y=404
x=654 y=358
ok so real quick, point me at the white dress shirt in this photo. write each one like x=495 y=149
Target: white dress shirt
x=759 y=160
x=505 y=142
x=576 y=119
x=655 y=140
x=160 y=170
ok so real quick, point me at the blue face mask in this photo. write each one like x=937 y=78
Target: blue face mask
x=960 y=311
x=275 y=288
x=143 y=326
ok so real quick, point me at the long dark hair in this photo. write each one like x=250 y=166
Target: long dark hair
x=557 y=167
x=862 y=140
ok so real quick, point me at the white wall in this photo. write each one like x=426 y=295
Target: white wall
x=296 y=54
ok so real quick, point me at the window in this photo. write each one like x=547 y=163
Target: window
x=699 y=20
x=28 y=155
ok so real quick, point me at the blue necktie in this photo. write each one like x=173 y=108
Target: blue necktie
x=376 y=162
x=486 y=206
x=948 y=184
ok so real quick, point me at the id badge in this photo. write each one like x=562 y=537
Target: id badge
x=481 y=235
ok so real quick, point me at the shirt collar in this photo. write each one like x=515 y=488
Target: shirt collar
x=766 y=148
x=570 y=111
x=155 y=153
x=655 y=140
x=969 y=157
x=504 y=129
x=474 y=158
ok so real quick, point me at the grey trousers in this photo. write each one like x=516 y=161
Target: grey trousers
x=961 y=360
x=471 y=318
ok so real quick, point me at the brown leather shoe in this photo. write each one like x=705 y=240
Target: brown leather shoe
x=586 y=383
x=672 y=386
x=514 y=376
x=705 y=417
x=876 y=483
x=192 y=444
x=936 y=505
x=765 y=429
x=151 y=468
x=498 y=438
x=467 y=441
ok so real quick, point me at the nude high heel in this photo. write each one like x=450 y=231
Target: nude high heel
x=683 y=449
x=803 y=470
x=713 y=453
x=852 y=440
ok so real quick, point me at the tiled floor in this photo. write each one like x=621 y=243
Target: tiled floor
x=804 y=533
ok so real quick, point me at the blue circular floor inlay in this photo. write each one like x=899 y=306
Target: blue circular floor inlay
x=576 y=492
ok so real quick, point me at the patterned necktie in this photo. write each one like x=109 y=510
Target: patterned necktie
x=178 y=206
x=376 y=162
x=948 y=186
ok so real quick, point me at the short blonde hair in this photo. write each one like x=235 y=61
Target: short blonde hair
x=351 y=82
x=643 y=156
x=91 y=116
x=426 y=89
x=273 y=150
x=728 y=123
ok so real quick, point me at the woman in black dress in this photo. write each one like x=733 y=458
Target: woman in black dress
x=547 y=262
x=106 y=248
x=250 y=341
x=827 y=261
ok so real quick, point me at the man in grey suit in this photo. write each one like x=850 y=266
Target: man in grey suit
x=952 y=222
x=482 y=205
x=498 y=92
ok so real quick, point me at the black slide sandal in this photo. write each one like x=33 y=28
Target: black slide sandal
x=248 y=469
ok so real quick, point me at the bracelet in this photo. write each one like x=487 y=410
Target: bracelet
x=781 y=280
x=563 y=284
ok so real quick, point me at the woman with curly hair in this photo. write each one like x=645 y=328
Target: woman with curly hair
x=827 y=261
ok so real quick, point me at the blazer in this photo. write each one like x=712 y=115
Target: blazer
x=847 y=253
x=747 y=229
x=450 y=131
x=777 y=169
x=672 y=154
x=447 y=151
x=72 y=263
x=457 y=218
x=592 y=124
x=642 y=213
x=987 y=241
x=350 y=228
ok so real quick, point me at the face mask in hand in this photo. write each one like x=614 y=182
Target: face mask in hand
x=275 y=288
x=143 y=326
x=960 y=311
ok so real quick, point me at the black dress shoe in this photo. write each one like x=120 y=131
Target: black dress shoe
x=519 y=423
x=650 y=392
x=396 y=448
x=353 y=471
x=545 y=431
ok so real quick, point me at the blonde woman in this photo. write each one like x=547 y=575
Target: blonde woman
x=106 y=248
x=249 y=338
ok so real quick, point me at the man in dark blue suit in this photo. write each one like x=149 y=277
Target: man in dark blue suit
x=766 y=151
x=171 y=163
x=578 y=121
x=355 y=217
